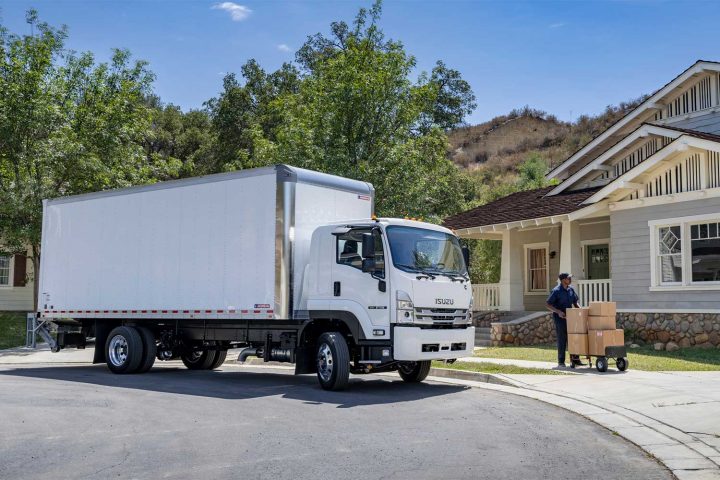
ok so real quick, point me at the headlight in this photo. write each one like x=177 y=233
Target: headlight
x=404 y=305
x=405 y=308
x=470 y=311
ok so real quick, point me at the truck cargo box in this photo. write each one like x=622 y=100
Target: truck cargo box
x=219 y=246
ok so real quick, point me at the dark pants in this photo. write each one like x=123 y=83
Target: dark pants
x=561 y=333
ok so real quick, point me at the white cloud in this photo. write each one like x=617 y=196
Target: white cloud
x=557 y=25
x=283 y=48
x=237 y=12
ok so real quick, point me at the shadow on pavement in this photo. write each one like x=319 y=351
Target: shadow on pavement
x=239 y=385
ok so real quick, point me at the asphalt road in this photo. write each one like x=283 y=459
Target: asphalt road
x=83 y=422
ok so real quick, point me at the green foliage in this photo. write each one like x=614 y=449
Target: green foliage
x=67 y=126
x=12 y=329
x=485 y=254
x=358 y=114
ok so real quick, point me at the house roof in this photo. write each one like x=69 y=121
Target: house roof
x=519 y=206
x=694 y=69
x=640 y=132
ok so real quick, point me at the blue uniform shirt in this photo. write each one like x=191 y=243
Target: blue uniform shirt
x=562 y=299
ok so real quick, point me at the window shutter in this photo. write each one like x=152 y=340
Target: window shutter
x=20 y=271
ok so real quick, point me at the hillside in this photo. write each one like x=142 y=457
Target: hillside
x=498 y=146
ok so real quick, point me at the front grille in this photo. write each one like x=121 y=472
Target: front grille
x=441 y=316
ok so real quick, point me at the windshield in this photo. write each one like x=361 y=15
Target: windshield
x=421 y=250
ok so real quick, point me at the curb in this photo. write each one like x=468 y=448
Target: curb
x=468 y=375
x=685 y=456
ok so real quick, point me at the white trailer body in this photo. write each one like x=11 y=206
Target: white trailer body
x=223 y=246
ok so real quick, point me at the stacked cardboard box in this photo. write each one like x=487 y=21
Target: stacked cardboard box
x=602 y=331
x=592 y=329
x=577 y=327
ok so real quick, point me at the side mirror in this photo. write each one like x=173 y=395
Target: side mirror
x=368 y=246
x=466 y=256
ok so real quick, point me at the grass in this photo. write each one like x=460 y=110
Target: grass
x=487 y=367
x=643 y=358
x=12 y=329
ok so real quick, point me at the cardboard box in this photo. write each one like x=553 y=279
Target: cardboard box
x=602 y=309
x=577 y=320
x=578 y=343
x=601 y=323
x=599 y=339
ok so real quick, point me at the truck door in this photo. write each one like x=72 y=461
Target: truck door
x=368 y=292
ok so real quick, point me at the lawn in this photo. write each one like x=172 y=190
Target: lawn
x=12 y=329
x=643 y=358
x=487 y=367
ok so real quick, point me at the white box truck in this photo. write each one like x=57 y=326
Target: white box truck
x=288 y=263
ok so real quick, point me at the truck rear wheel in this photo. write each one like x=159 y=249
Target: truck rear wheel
x=149 y=349
x=333 y=361
x=124 y=350
x=199 y=359
x=220 y=356
x=414 y=372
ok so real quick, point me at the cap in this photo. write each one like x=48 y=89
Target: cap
x=563 y=276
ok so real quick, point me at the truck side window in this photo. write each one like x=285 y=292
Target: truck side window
x=349 y=250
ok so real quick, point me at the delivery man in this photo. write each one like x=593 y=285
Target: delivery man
x=561 y=298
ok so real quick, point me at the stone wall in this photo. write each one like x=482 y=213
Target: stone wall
x=485 y=318
x=534 y=329
x=671 y=330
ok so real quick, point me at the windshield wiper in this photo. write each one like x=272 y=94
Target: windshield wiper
x=451 y=275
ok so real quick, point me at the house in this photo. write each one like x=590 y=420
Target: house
x=16 y=286
x=634 y=215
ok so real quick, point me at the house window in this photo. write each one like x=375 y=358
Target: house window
x=670 y=254
x=4 y=271
x=705 y=246
x=536 y=258
x=686 y=253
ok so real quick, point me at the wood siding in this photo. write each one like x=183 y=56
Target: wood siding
x=630 y=258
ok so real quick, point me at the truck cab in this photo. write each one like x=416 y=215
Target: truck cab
x=400 y=286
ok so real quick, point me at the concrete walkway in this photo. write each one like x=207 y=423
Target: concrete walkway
x=674 y=416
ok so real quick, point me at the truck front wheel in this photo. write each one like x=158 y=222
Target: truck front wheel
x=333 y=361
x=414 y=372
x=124 y=350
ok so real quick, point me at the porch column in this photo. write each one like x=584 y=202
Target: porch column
x=570 y=251
x=511 y=273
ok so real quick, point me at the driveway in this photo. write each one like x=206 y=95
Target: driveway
x=80 y=421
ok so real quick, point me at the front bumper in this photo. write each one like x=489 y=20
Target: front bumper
x=414 y=344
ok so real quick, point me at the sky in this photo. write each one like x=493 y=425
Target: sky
x=565 y=57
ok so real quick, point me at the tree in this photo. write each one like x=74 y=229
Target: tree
x=358 y=113
x=67 y=126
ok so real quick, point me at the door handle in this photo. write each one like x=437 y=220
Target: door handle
x=336 y=289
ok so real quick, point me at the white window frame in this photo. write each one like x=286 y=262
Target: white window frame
x=526 y=271
x=11 y=273
x=686 y=255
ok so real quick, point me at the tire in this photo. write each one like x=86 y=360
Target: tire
x=220 y=356
x=622 y=364
x=601 y=364
x=124 y=350
x=333 y=361
x=414 y=372
x=149 y=349
x=199 y=359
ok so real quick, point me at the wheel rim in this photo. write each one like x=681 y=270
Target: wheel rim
x=118 y=350
x=407 y=368
x=325 y=362
x=194 y=356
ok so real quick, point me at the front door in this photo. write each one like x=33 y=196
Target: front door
x=352 y=284
x=597 y=259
